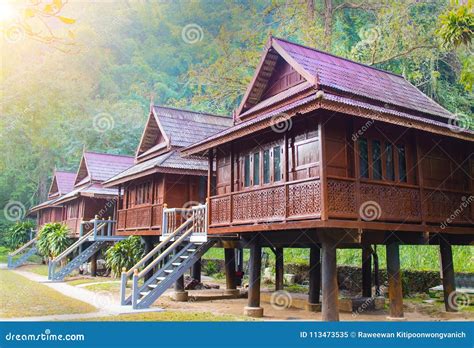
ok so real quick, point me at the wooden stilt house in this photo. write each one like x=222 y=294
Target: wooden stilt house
x=89 y=197
x=160 y=176
x=328 y=153
x=46 y=212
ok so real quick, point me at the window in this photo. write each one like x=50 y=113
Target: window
x=402 y=164
x=376 y=160
x=276 y=164
x=266 y=166
x=256 y=168
x=363 y=158
x=306 y=153
x=247 y=171
x=390 y=174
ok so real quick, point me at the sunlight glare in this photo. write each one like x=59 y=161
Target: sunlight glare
x=6 y=11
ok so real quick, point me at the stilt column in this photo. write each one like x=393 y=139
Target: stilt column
x=314 y=304
x=366 y=271
x=253 y=309
x=229 y=260
x=330 y=310
x=279 y=269
x=447 y=268
x=395 y=293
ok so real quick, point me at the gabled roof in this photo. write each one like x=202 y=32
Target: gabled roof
x=94 y=190
x=169 y=127
x=169 y=162
x=324 y=70
x=98 y=167
x=63 y=182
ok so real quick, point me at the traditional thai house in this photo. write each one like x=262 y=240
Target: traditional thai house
x=89 y=198
x=327 y=153
x=46 y=212
x=160 y=176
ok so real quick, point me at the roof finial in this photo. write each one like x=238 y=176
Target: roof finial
x=152 y=99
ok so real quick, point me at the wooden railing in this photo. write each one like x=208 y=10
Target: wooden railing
x=286 y=201
x=142 y=217
x=347 y=198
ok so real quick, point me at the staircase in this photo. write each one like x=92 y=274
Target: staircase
x=178 y=251
x=22 y=254
x=83 y=249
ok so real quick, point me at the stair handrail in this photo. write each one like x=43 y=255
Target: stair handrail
x=166 y=252
x=158 y=247
x=73 y=246
x=23 y=247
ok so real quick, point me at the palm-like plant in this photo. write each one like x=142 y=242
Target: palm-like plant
x=19 y=233
x=125 y=253
x=53 y=240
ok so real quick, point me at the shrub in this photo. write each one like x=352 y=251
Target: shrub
x=19 y=234
x=53 y=239
x=125 y=253
x=211 y=267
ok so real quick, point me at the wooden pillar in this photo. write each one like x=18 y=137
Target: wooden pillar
x=313 y=304
x=196 y=271
x=330 y=309
x=447 y=270
x=395 y=293
x=279 y=269
x=366 y=271
x=148 y=241
x=229 y=261
x=253 y=308
x=94 y=264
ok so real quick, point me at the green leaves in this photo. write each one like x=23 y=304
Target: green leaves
x=53 y=239
x=125 y=253
x=19 y=234
x=457 y=27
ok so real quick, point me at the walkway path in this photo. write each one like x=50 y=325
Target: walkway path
x=104 y=301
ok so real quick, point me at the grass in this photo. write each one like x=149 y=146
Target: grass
x=104 y=287
x=412 y=257
x=22 y=297
x=4 y=254
x=41 y=270
x=170 y=316
x=81 y=281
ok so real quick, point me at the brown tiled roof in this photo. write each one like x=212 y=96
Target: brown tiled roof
x=96 y=190
x=170 y=162
x=65 y=181
x=185 y=127
x=359 y=79
x=102 y=166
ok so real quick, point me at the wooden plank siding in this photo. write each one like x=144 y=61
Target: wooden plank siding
x=418 y=192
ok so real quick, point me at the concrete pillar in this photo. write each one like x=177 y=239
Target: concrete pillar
x=253 y=308
x=330 y=291
x=395 y=293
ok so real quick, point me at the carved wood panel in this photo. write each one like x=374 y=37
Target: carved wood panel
x=259 y=205
x=443 y=206
x=396 y=203
x=122 y=214
x=304 y=199
x=342 y=197
x=220 y=210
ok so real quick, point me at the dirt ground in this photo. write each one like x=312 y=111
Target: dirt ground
x=273 y=313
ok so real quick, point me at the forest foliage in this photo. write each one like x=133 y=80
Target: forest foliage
x=90 y=85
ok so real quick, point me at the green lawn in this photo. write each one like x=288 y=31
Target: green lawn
x=413 y=257
x=81 y=281
x=21 y=297
x=37 y=269
x=112 y=287
x=170 y=316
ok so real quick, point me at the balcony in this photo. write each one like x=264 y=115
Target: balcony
x=346 y=200
x=146 y=217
